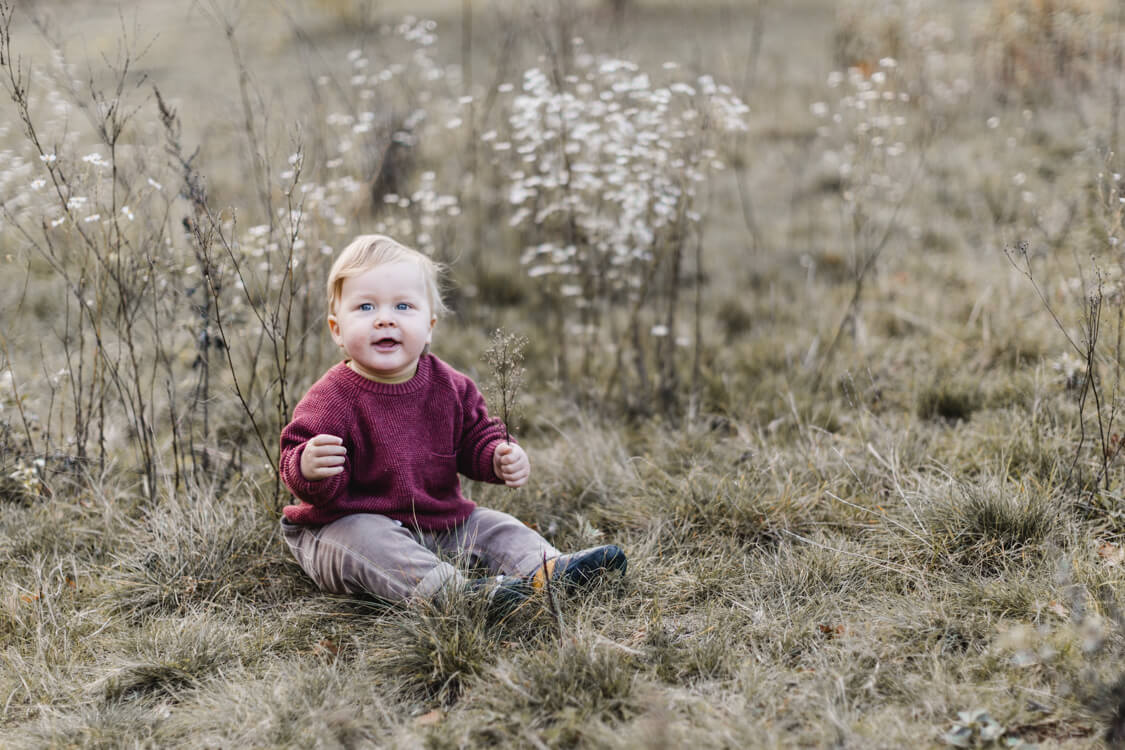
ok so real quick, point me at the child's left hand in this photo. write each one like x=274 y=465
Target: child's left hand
x=511 y=464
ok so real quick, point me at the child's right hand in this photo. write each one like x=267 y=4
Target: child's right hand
x=323 y=457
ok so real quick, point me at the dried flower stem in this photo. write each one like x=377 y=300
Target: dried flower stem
x=505 y=356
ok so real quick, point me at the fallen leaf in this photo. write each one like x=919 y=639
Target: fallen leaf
x=1057 y=608
x=327 y=648
x=429 y=718
x=1113 y=554
x=832 y=631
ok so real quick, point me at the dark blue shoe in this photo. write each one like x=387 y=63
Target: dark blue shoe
x=580 y=568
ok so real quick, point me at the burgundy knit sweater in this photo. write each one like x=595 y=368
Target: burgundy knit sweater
x=406 y=443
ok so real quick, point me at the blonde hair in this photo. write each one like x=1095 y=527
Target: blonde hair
x=370 y=250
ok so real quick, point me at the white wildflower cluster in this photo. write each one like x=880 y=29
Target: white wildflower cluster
x=28 y=176
x=865 y=132
x=605 y=167
x=29 y=476
x=423 y=215
x=916 y=33
x=320 y=206
x=1071 y=370
x=362 y=133
x=1111 y=192
x=7 y=390
x=20 y=186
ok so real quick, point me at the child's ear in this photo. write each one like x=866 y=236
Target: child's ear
x=430 y=333
x=334 y=329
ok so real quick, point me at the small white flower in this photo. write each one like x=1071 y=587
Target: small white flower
x=48 y=158
x=92 y=217
x=660 y=330
x=819 y=109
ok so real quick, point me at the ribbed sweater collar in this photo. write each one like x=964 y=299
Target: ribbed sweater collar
x=420 y=382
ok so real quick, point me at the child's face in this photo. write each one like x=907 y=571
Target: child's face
x=383 y=319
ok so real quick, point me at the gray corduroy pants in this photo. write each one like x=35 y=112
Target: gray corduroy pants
x=366 y=553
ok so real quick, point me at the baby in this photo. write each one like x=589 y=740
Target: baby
x=375 y=447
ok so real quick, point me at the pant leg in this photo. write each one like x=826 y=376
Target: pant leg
x=501 y=542
x=366 y=553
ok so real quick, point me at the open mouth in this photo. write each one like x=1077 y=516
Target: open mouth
x=386 y=344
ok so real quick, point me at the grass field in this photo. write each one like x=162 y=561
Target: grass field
x=841 y=372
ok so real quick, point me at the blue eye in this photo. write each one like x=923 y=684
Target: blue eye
x=366 y=307
x=403 y=306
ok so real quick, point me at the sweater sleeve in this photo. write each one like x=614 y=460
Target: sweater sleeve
x=480 y=435
x=313 y=416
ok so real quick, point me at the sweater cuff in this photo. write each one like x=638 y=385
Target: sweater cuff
x=488 y=471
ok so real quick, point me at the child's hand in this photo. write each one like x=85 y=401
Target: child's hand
x=511 y=464
x=323 y=457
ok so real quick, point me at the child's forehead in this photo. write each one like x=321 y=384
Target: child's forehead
x=400 y=275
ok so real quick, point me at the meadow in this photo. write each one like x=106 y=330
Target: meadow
x=824 y=315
